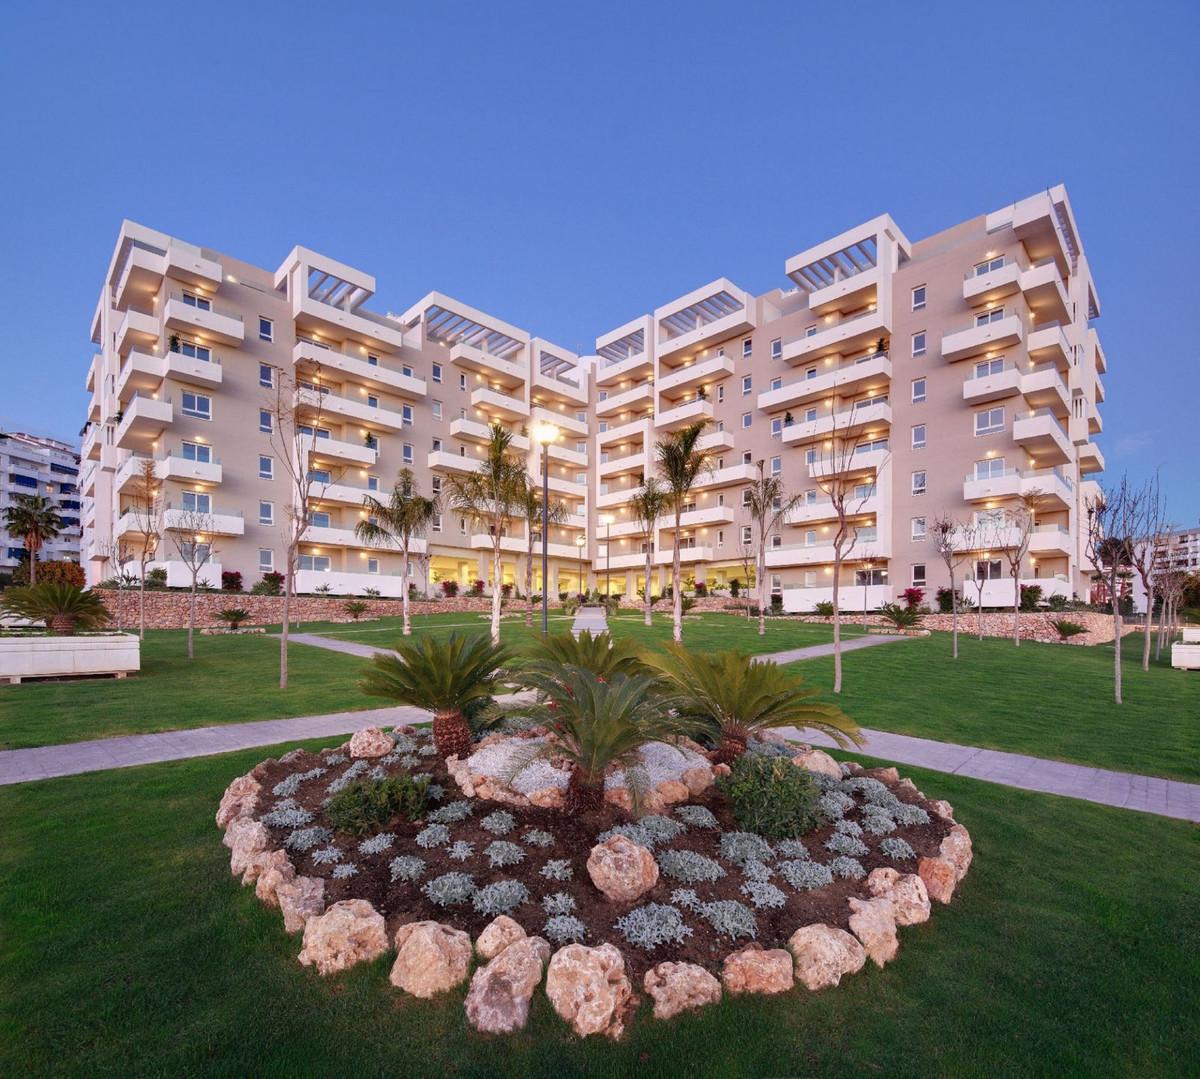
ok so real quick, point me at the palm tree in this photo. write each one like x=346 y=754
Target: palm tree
x=404 y=517
x=492 y=497
x=531 y=510
x=769 y=504
x=735 y=696
x=648 y=506
x=455 y=679
x=35 y=519
x=681 y=464
x=600 y=655
x=62 y=607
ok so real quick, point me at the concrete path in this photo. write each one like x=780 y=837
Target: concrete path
x=593 y=619
x=333 y=644
x=816 y=651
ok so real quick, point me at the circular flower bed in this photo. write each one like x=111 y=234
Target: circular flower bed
x=678 y=900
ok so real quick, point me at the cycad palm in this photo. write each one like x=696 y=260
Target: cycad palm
x=531 y=510
x=648 y=506
x=599 y=655
x=402 y=518
x=681 y=462
x=62 y=607
x=453 y=678
x=735 y=697
x=35 y=519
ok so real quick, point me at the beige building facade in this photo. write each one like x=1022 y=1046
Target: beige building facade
x=950 y=375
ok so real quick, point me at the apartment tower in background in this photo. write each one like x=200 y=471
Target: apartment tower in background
x=32 y=465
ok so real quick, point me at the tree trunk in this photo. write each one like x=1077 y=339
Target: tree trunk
x=404 y=591
x=732 y=746
x=954 y=614
x=1017 y=610
x=583 y=796
x=452 y=735
x=33 y=550
x=283 y=636
x=529 y=583
x=676 y=590
x=837 y=621
x=1149 y=623
x=191 y=619
x=496 y=589
x=761 y=569
x=1116 y=606
x=979 y=609
x=142 y=605
x=649 y=570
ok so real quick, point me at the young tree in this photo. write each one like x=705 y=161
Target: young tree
x=530 y=509
x=747 y=554
x=1112 y=520
x=1169 y=585
x=950 y=541
x=681 y=463
x=34 y=519
x=769 y=504
x=1144 y=552
x=120 y=554
x=146 y=509
x=1019 y=521
x=649 y=505
x=403 y=518
x=191 y=536
x=492 y=497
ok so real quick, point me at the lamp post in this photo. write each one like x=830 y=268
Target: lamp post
x=608 y=520
x=579 y=543
x=867 y=567
x=544 y=434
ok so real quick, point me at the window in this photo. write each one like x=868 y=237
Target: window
x=988 y=570
x=373 y=483
x=581 y=415
x=776 y=582
x=747 y=347
x=776 y=541
x=372 y=565
x=918 y=437
x=989 y=421
x=198 y=302
x=747 y=384
x=867 y=577
x=264 y=420
x=918 y=529
x=810 y=538
x=462 y=381
x=776 y=466
x=195 y=451
x=810 y=456
x=406 y=415
x=266 y=560
x=318 y=562
x=437 y=445
x=372 y=401
x=989 y=468
x=918 y=390
x=602 y=395
x=319 y=518
x=810 y=373
x=266 y=468
x=918 y=483
x=918 y=298
x=196 y=352
x=319 y=475
x=437 y=524
x=918 y=343
x=435 y=484
x=746 y=497
x=989 y=367
x=747 y=458
x=747 y=419
x=266 y=329
x=810 y=330
x=436 y=372
x=918 y=575
x=266 y=375
x=408 y=453
x=747 y=535
x=195 y=502
x=777 y=428
x=986 y=317
x=437 y=409
x=988 y=265
x=266 y=513
x=777 y=348
x=810 y=414
x=777 y=383
x=372 y=360
x=462 y=526
x=198 y=405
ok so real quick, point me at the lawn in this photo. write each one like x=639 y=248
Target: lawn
x=128 y=949
x=1046 y=700
x=231 y=680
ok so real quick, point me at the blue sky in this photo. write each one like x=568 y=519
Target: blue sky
x=569 y=166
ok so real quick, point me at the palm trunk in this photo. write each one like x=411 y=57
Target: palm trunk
x=283 y=637
x=33 y=553
x=732 y=746
x=761 y=570
x=452 y=735
x=1149 y=623
x=496 y=589
x=404 y=592
x=583 y=795
x=837 y=621
x=191 y=619
x=649 y=570
x=676 y=590
x=529 y=583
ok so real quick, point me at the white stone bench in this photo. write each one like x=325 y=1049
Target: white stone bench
x=1185 y=656
x=38 y=656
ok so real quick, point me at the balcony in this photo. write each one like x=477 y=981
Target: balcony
x=565 y=421
x=843 y=464
x=609 y=372
x=846 y=336
x=799 y=554
x=144 y=269
x=483 y=541
x=1050 y=539
x=631 y=462
x=474 y=431
x=557 y=373
x=704 y=316
x=846 y=292
x=1049 y=344
x=178 y=519
x=137 y=330
x=500 y=404
x=341 y=583
x=851 y=597
x=877 y=414
x=625 y=432
x=333 y=536
x=976 y=340
x=715 y=440
x=204 y=322
x=179 y=573
x=710 y=515
x=332 y=404
x=342 y=493
x=869 y=375
x=565 y=486
x=980 y=389
x=1091 y=460
x=334 y=449
x=616 y=496
x=452 y=462
x=822 y=509
x=637 y=397
x=726 y=477
x=1041 y=285
x=1044 y=388
x=1037 y=223
x=1040 y=433
x=1049 y=485
x=309 y=354
x=185 y=470
x=687 y=556
x=694 y=374
x=683 y=414
x=567 y=455
x=495 y=369
x=93 y=371
x=143 y=421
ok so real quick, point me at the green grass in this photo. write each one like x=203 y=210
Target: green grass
x=128 y=949
x=231 y=680
x=1046 y=700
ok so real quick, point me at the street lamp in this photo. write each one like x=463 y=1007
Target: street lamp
x=867 y=567
x=608 y=520
x=543 y=434
x=579 y=543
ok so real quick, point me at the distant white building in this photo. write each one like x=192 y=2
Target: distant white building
x=1181 y=551
x=30 y=465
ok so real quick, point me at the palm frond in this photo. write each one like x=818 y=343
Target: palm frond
x=460 y=673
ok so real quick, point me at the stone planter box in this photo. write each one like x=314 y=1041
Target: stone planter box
x=36 y=656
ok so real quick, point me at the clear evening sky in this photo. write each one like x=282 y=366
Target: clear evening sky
x=568 y=166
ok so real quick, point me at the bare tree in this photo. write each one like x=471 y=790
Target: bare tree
x=768 y=506
x=1169 y=584
x=1112 y=524
x=120 y=554
x=191 y=536
x=949 y=540
x=649 y=505
x=1019 y=522
x=981 y=537
x=1143 y=553
x=747 y=553
x=147 y=511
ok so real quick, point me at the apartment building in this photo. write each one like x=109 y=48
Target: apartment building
x=1180 y=551
x=31 y=465
x=953 y=374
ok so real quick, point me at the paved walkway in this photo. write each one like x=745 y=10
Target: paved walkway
x=593 y=619
x=816 y=651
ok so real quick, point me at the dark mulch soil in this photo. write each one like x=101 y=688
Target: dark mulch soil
x=574 y=836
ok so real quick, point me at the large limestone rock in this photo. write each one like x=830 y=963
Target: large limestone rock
x=300 y=899
x=907 y=891
x=943 y=809
x=672 y=791
x=824 y=954
x=755 y=969
x=430 y=958
x=349 y=932
x=678 y=987
x=698 y=779
x=369 y=743
x=816 y=760
x=498 y=1001
x=588 y=987
x=622 y=869
x=279 y=871
x=497 y=935
x=245 y=840
x=873 y=921
x=939 y=877
x=956 y=849
x=239 y=801
x=262 y=861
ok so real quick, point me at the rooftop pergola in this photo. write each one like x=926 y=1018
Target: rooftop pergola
x=854 y=258
x=632 y=344
x=557 y=365
x=701 y=312
x=461 y=325
x=328 y=288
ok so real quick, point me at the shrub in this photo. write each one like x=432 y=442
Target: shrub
x=696 y=816
x=452 y=813
x=346 y=869
x=791 y=848
x=156 y=579
x=1057 y=601
x=449 y=589
x=901 y=617
x=654 y=924
x=233 y=616
x=660 y=829
x=878 y=822
x=558 y=903
x=840 y=843
x=498 y=823
x=374 y=593
x=377 y=844
x=755 y=870
x=432 y=835
x=770 y=796
x=743 y=847
x=686 y=898
x=406 y=867
x=777 y=603
x=945 y=600
x=1067 y=629
x=763 y=894
x=847 y=868
x=500 y=897
x=730 y=918
x=557 y=869
x=804 y=876
x=450 y=889
x=535 y=837
x=287 y=815
x=304 y=839
x=894 y=847
x=326 y=856
x=701 y=589
x=362 y=807
x=903 y=813
x=689 y=866
x=832 y=806
x=735 y=587
x=355 y=608
x=503 y=853
x=270 y=585
x=913 y=597
x=460 y=850
x=323 y=590
x=1031 y=597
x=563 y=929
x=53 y=571
x=477 y=587
x=505 y=591
x=824 y=608
x=231 y=580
